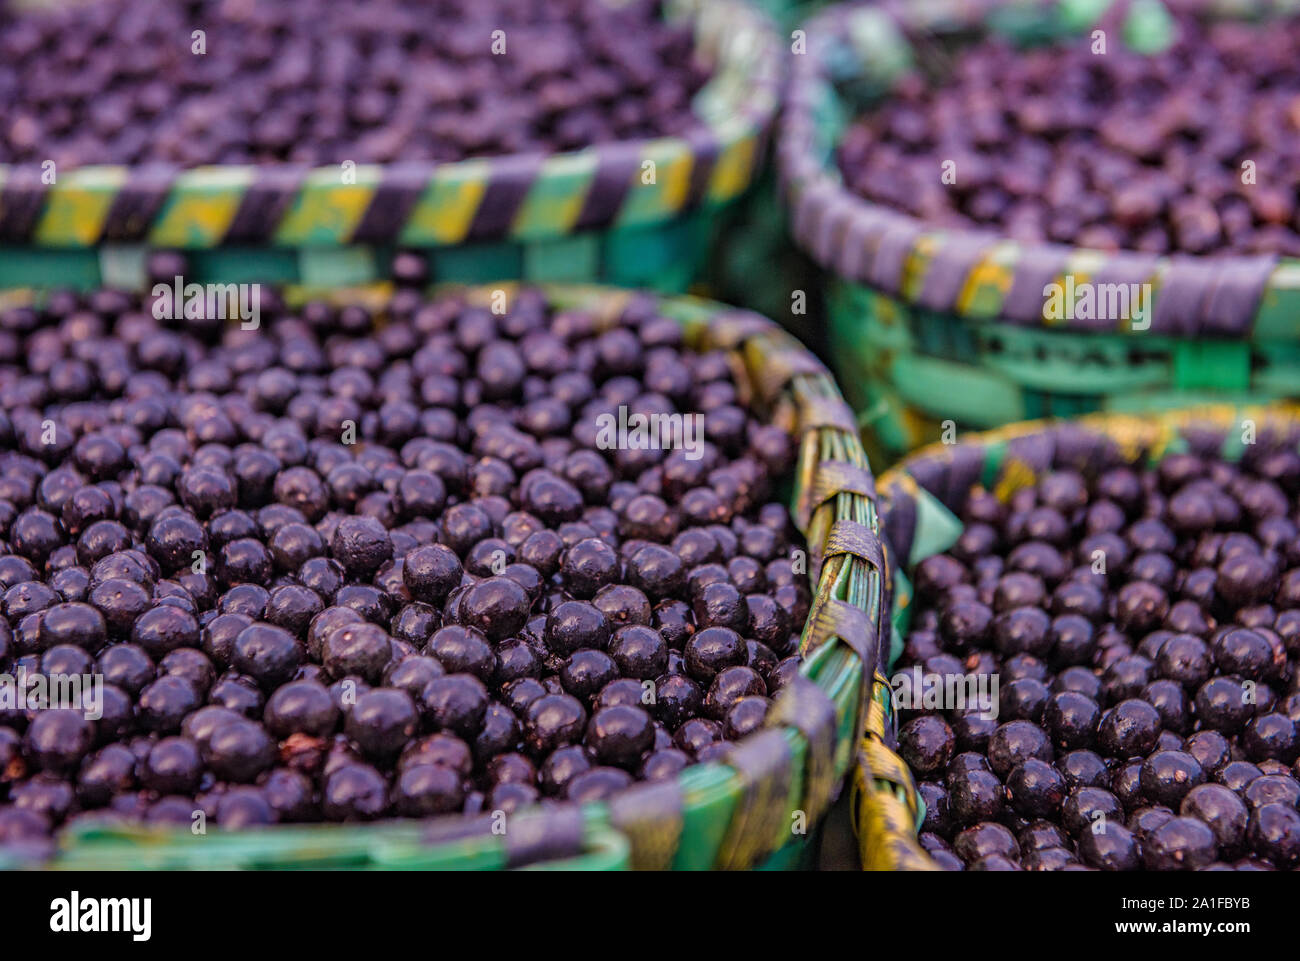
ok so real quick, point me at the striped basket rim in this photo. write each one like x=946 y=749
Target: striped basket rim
x=737 y=812
x=974 y=273
x=887 y=809
x=510 y=197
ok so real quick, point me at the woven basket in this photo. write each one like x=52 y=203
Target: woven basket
x=930 y=324
x=776 y=784
x=582 y=216
x=919 y=500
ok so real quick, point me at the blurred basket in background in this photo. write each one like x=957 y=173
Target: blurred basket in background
x=583 y=216
x=928 y=324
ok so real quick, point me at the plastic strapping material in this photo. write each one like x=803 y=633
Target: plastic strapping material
x=650 y=814
x=835 y=618
x=781 y=366
x=511 y=178
x=138 y=201
x=885 y=827
x=854 y=256
x=549 y=836
x=896 y=243
x=810 y=206
x=964 y=469
x=950 y=267
x=885 y=765
x=828 y=414
x=1038 y=451
x=704 y=156
x=264 y=203
x=1040 y=265
x=803 y=705
x=1239 y=287
x=728 y=331
x=763 y=763
x=1184 y=289
x=831 y=228
x=21 y=201
x=850 y=537
x=617 y=165
x=399 y=190
x=898 y=522
x=830 y=479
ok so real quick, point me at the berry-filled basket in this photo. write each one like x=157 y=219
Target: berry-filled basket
x=633 y=212
x=939 y=308
x=995 y=475
x=763 y=796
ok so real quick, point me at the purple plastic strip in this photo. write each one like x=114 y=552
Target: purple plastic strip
x=898 y=524
x=1038 y=266
x=617 y=166
x=895 y=246
x=950 y=267
x=704 y=150
x=21 y=203
x=1184 y=289
x=1036 y=450
x=1235 y=299
x=398 y=192
x=137 y=204
x=964 y=470
x=861 y=241
x=508 y=184
x=264 y=203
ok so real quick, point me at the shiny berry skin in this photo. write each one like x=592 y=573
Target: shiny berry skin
x=1221 y=705
x=620 y=735
x=268 y=654
x=926 y=744
x=639 y=652
x=358 y=649
x=1274 y=833
x=1036 y=789
x=431 y=573
x=455 y=703
x=57 y=740
x=711 y=650
x=238 y=751
x=382 y=722
x=497 y=606
x=1016 y=742
x=976 y=796
x=428 y=790
x=1167 y=776
x=301 y=707
x=354 y=792
x=1180 y=844
x=587 y=566
x=554 y=720
x=572 y=625
x=1129 y=729
x=1222 y=810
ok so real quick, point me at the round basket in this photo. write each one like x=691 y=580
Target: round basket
x=919 y=500
x=582 y=216
x=929 y=325
x=776 y=784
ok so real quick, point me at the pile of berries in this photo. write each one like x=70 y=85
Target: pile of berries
x=352 y=565
x=1144 y=629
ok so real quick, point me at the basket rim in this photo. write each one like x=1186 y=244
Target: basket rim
x=534 y=196
x=977 y=273
x=832 y=643
x=1134 y=437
